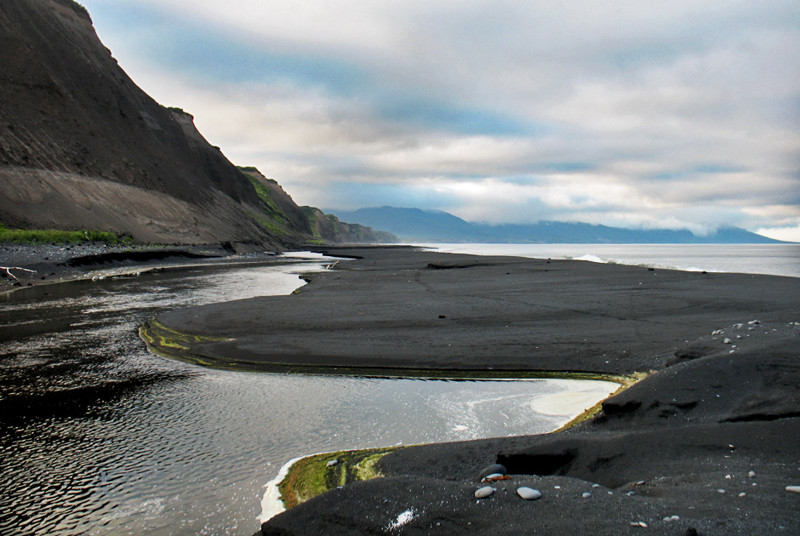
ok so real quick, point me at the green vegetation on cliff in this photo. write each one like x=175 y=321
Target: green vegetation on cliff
x=273 y=219
x=55 y=236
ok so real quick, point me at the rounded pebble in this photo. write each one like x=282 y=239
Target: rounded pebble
x=494 y=468
x=586 y=495
x=793 y=489
x=529 y=494
x=493 y=476
x=331 y=463
x=485 y=491
x=751 y=474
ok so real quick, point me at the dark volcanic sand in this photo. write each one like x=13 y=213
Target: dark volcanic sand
x=713 y=411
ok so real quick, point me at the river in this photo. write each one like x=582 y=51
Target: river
x=97 y=436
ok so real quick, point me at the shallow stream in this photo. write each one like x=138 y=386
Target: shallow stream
x=97 y=436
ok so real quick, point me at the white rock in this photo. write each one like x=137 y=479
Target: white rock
x=639 y=524
x=586 y=495
x=529 y=494
x=492 y=477
x=331 y=463
x=793 y=489
x=485 y=491
x=742 y=494
x=751 y=474
x=720 y=491
x=726 y=340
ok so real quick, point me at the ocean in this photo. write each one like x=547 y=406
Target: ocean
x=769 y=259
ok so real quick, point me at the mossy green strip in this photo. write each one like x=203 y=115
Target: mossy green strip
x=176 y=344
x=55 y=236
x=314 y=475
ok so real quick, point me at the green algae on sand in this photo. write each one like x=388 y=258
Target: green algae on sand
x=314 y=475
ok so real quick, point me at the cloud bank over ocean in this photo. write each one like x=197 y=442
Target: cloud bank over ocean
x=681 y=114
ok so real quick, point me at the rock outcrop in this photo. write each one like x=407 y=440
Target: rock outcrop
x=81 y=146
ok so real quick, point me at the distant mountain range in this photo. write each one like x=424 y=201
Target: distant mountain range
x=415 y=225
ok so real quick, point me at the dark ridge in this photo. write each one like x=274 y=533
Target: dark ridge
x=136 y=256
x=545 y=463
x=76 y=7
x=751 y=417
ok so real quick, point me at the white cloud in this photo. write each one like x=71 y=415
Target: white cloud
x=626 y=113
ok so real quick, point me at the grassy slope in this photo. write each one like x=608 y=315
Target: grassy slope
x=55 y=236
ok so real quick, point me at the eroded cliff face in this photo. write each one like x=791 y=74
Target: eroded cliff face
x=82 y=146
x=328 y=228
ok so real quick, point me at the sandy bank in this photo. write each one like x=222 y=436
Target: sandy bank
x=710 y=437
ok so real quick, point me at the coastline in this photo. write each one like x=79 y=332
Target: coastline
x=722 y=404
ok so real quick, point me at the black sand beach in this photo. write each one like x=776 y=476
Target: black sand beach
x=708 y=443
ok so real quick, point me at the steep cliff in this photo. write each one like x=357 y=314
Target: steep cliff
x=328 y=228
x=81 y=146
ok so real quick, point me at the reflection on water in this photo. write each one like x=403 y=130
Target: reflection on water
x=97 y=436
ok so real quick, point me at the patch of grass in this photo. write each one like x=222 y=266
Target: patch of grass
x=267 y=203
x=55 y=236
x=312 y=476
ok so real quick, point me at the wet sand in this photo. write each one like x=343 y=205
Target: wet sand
x=710 y=437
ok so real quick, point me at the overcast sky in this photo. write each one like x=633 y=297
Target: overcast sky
x=680 y=114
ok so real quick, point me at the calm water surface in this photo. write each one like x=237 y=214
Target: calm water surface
x=771 y=259
x=99 y=437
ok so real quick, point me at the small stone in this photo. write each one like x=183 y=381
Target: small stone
x=675 y=518
x=742 y=494
x=556 y=487
x=586 y=495
x=720 y=491
x=726 y=340
x=485 y=491
x=728 y=477
x=595 y=485
x=639 y=524
x=331 y=463
x=751 y=474
x=793 y=489
x=529 y=494
x=494 y=468
x=754 y=322
x=493 y=477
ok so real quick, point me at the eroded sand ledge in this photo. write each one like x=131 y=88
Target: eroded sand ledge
x=724 y=399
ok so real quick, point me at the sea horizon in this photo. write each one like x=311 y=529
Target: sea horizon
x=764 y=259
